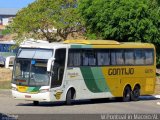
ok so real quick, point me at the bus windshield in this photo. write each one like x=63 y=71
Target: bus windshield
x=31 y=72
x=30 y=68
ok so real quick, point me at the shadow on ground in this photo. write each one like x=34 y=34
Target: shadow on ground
x=86 y=102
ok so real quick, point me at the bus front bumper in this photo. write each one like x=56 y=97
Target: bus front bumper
x=32 y=97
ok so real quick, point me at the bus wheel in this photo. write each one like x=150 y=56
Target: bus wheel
x=69 y=97
x=135 y=93
x=126 y=94
x=35 y=103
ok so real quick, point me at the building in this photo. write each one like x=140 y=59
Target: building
x=6 y=15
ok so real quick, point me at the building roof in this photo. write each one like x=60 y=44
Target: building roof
x=8 y=11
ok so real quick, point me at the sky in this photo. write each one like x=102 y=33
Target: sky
x=14 y=3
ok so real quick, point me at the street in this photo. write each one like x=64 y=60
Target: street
x=145 y=105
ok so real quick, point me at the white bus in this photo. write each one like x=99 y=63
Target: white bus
x=7 y=53
x=83 y=69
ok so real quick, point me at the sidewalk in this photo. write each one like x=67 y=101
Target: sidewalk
x=5 y=92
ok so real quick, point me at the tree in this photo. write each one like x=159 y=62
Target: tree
x=51 y=19
x=5 y=31
x=122 y=20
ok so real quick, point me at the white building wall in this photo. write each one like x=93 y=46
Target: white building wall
x=5 y=21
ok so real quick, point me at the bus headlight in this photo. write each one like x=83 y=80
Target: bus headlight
x=14 y=88
x=44 y=90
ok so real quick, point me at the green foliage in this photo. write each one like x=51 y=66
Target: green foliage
x=91 y=36
x=5 y=31
x=40 y=18
x=123 y=20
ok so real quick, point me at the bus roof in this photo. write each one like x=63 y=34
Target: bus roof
x=44 y=45
x=92 y=42
x=88 y=44
x=106 y=44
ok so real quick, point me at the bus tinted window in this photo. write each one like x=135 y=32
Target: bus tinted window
x=129 y=57
x=35 y=53
x=139 y=57
x=74 y=58
x=7 y=47
x=113 y=57
x=149 y=57
x=119 y=57
x=103 y=57
x=89 y=58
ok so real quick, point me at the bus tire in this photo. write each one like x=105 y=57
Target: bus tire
x=69 y=97
x=126 y=94
x=35 y=103
x=135 y=93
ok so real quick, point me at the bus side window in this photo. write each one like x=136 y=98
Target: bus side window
x=113 y=57
x=119 y=57
x=3 y=48
x=85 y=59
x=129 y=57
x=149 y=57
x=74 y=58
x=139 y=57
x=103 y=57
x=89 y=58
x=0 y=47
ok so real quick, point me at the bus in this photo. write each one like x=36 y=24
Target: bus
x=84 y=69
x=7 y=53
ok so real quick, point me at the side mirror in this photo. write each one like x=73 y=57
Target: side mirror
x=49 y=64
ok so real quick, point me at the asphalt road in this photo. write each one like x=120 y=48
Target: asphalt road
x=10 y=106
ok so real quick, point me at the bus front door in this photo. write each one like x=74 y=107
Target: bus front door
x=58 y=68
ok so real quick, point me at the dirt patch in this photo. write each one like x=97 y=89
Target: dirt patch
x=5 y=78
x=5 y=85
x=5 y=74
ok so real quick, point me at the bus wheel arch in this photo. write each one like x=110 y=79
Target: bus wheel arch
x=71 y=94
x=126 y=97
x=135 y=92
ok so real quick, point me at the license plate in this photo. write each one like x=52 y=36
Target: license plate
x=27 y=96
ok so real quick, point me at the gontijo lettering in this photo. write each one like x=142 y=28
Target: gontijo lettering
x=121 y=71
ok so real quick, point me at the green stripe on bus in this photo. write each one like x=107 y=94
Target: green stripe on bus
x=94 y=79
x=99 y=79
x=36 y=89
x=89 y=79
x=33 y=89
